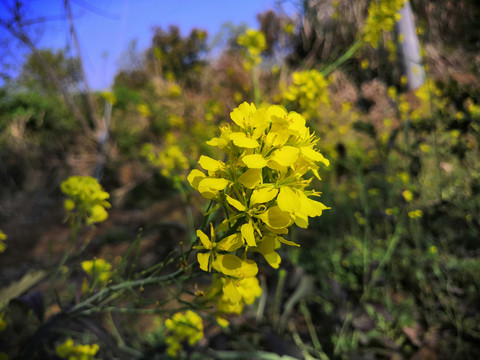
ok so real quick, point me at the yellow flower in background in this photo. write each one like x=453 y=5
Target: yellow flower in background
x=3 y=237
x=309 y=89
x=99 y=271
x=414 y=214
x=144 y=109
x=68 y=350
x=174 y=90
x=86 y=198
x=110 y=97
x=171 y=161
x=253 y=43
x=289 y=28
x=182 y=327
x=382 y=16
x=407 y=195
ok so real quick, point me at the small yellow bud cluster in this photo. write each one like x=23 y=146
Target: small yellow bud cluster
x=253 y=42
x=99 y=272
x=308 y=90
x=186 y=326
x=68 y=350
x=382 y=16
x=171 y=160
x=262 y=188
x=86 y=198
x=3 y=237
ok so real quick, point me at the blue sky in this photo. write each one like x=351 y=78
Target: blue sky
x=106 y=27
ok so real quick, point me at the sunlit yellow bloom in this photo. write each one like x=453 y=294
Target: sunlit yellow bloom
x=85 y=198
x=262 y=186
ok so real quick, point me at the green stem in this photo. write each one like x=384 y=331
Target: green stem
x=256 y=87
x=347 y=55
x=128 y=284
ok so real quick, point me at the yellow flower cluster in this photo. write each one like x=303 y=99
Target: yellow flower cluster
x=429 y=99
x=186 y=326
x=262 y=188
x=382 y=16
x=3 y=237
x=68 y=350
x=308 y=90
x=253 y=42
x=171 y=160
x=99 y=272
x=85 y=198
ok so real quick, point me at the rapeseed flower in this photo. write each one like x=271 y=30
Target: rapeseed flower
x=262 y=186
x=99 y=271
x=308 y=90
x=86 y=198
x=253 y=43
x=382 y=16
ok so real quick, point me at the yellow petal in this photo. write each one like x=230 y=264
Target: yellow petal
x=296 y=121
x=231 y=243
x=229 y=264
x=276 y=113
x=287 y=242
x=285 y=156
x=248 y=269
x=248 y=234
x=273 y=259
x=260 y=196
x=251 y=178
x=311 y=207
x=210 y=164
x=242 y=140
x=222 y=322
x=242 y=115
x=220 y=142
x=268 y=244
x=235 y=203
x=203 y=260
x=207 y=244
x=209 y=187
x=301 y=220
x=276 y=218
x=250 y=289
x=194 y=178
x=231 y=292
x=288 y=200
x=254 y=161
x=311 y=154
